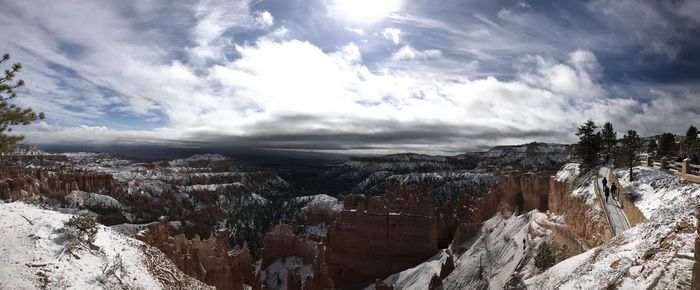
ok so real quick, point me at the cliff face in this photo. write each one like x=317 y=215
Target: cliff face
x=17 y=183
x=376 y=236
x=210 y=261
x=583 y=222
x=523 y=192
x=281 y=242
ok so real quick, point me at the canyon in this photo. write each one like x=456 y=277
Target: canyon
x=215 y=218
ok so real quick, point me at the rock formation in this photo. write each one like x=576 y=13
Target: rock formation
x=281 y=242
x=447 y=267
x=321 y=279
x=211 y=261
x=590 y=225
x=293 y=279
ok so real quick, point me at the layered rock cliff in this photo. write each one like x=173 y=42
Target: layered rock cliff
x=376 y=236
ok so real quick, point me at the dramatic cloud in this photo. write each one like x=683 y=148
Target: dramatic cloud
x=416 y=76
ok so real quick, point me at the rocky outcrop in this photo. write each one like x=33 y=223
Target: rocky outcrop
x=583 y=222
x=281 y=242
x=447 y=267
x=211 y=261
x=435 y=282
x=293 y=279
x=321 y=279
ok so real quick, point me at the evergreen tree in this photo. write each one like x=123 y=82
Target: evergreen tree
x=545 y=257
x=589 y=145
x=10 y=114
x=609 y=136
x=652 y=147
x=690 y=143
x=627 y=155
x=667 y=145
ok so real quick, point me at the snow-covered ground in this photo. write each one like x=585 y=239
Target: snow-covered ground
x=321 y=200
x=275 y=275
x=33 y=255
x=656 y=254
x=492 y=256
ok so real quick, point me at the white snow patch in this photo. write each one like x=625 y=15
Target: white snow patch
x=31 y=243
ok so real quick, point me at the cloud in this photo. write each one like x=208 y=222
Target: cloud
x=222 y=73
x=409 y=53
x=392 y=34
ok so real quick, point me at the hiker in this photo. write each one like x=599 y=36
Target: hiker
x=607 y=158
x=607 y=192
x=605 y=182
x=613 y=189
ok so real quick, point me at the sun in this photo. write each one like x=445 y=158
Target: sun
x=366 y=11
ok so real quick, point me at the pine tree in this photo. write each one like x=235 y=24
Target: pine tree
x=627 y=155
x=690 y=143
x=609 y=136
x=10 y=114
x=589 y=145
x=652 y=147
x=545 y=257
x=667 y=145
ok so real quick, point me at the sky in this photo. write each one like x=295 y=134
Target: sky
x=352 y=75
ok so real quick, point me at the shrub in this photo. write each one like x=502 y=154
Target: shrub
x=563 y=253
x=80 y=231
x=545 y=257
x=515 y=282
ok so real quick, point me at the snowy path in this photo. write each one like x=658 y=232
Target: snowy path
x=618 y=220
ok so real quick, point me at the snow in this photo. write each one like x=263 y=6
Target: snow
x=275 y=275
x=418 y=277
x=32 y=246
x=319 y=230
x=657 y=253
x=197 y=158
x=568 y=172
x=89 y=199
x=656 y=188
x=498 y=247
x=322 y=200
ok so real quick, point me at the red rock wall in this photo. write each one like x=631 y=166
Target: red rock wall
x=16 y=183
x=378 y=236
x=210 y=261
x=281 y=242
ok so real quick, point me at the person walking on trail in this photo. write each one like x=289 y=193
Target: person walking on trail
x=607 y=158
x=605 y=182
x=613 y=189
x=607 y=192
